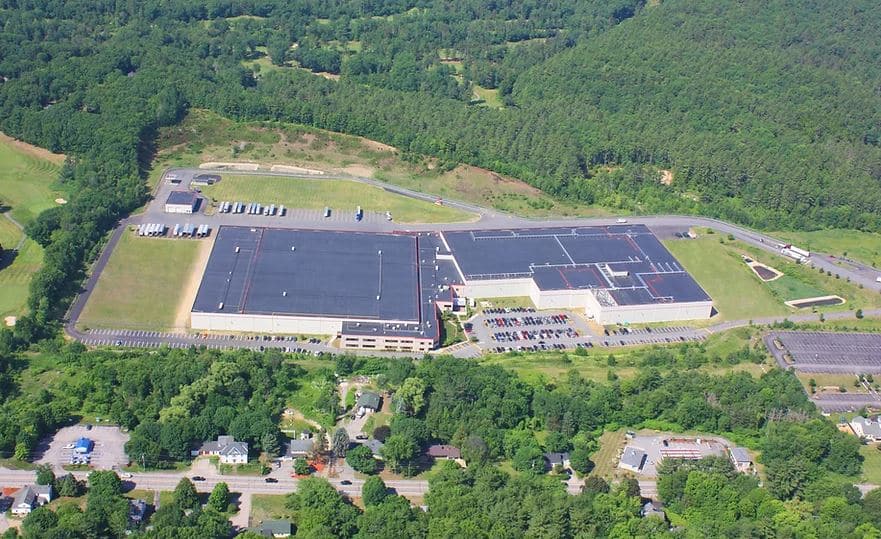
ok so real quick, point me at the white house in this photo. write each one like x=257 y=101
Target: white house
x=633 y=459
x=30 y=497
x=869 y=429
x=227 y=448
x=743 y=463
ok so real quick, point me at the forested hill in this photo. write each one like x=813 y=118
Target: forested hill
x=775 y=103
x=767 y=112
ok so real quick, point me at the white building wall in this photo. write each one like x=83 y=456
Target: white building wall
x=178 y=208
x=643 y=314
x=499 y=288
x=256 y=323
x=560 y=299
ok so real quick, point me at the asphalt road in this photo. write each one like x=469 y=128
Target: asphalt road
x=487 y=219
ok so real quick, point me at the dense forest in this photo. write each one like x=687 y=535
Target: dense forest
x=764 y=112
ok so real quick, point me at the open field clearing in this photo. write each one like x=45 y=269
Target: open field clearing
x=871 y=464
x=736 y=291
x=143 y=284
x=862 y=246
x=27 y=174
x=204 y=136
x=488 y=97
x=340 y=195
x=738 y=294
x=26 y=178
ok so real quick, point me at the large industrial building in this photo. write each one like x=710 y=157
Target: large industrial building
x=384 y=290
x=616 y=274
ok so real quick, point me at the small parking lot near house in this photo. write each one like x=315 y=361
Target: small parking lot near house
x=109 y=447
x=819 y=352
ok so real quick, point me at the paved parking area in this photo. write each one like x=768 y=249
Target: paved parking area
x=525 y=329
x=659 y=447
x=109 y=449
x=500 y=330
x=826 y=352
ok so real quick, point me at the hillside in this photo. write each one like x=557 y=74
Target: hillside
x=761 y=107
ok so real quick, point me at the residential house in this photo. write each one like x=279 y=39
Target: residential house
x=276 y=528
x=743 y=463
x=870 y=429
x=300 y=448
x=557 y=459
x=448 y=452
x=227 y=448
x=137 y=511
x=375 y=447
x=30 y=497
x=633 y=459
x=368 y=402
x=653 y=509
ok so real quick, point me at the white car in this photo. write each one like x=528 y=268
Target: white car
x=126 y=475
x=69 y=446
x=622 y=221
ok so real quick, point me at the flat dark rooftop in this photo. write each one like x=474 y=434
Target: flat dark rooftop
x=351 y=275
x=627 y=260
x=181 y=197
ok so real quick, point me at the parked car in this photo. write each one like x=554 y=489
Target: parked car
x=198 y=478
x=271 y=480
x=345 y=482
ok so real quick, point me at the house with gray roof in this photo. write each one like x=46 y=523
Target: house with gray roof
x=375 y=447
x=653 y=509
x=633 y=459
x=227 y=448
x=300 y=448
x=743 y=463
x=557 y=459
x=368 y=401
x=276 y=528
x=870 y=429
x=30 y=497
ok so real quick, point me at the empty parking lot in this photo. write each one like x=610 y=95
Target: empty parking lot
x=819 y=352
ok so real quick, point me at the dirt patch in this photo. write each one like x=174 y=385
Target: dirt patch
x=60 y=201
x=666 y=177
x=328 y=76
x=35 y=151
x=10 y=321
x=359 y=170
x=188 y=294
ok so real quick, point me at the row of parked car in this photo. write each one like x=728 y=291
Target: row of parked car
x=507 y=310
x=508 y=322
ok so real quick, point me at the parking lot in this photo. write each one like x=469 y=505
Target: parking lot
x=155 y=339
x=659 y=447
x=525 y=329
x=108 y=451
x=824 y=352
x=521 y=328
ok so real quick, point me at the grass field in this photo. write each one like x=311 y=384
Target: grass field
x=340 y=195
x=606 y=457
x=541 y=367
x=830 y=380
x=739 y=294
x=27 y=176
x=789 y=288
x=268 y=506
x=862 y=246
x=141 y=286
x=488 y=97
x=871 y=464
x=204 y=136
x=736 y=291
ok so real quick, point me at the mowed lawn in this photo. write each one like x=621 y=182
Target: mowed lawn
x=142 y=284
x=862 y=246
x=26 y=182
x=25 y=190
x=736 y=291
x=340 y=195
x=871 y=464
